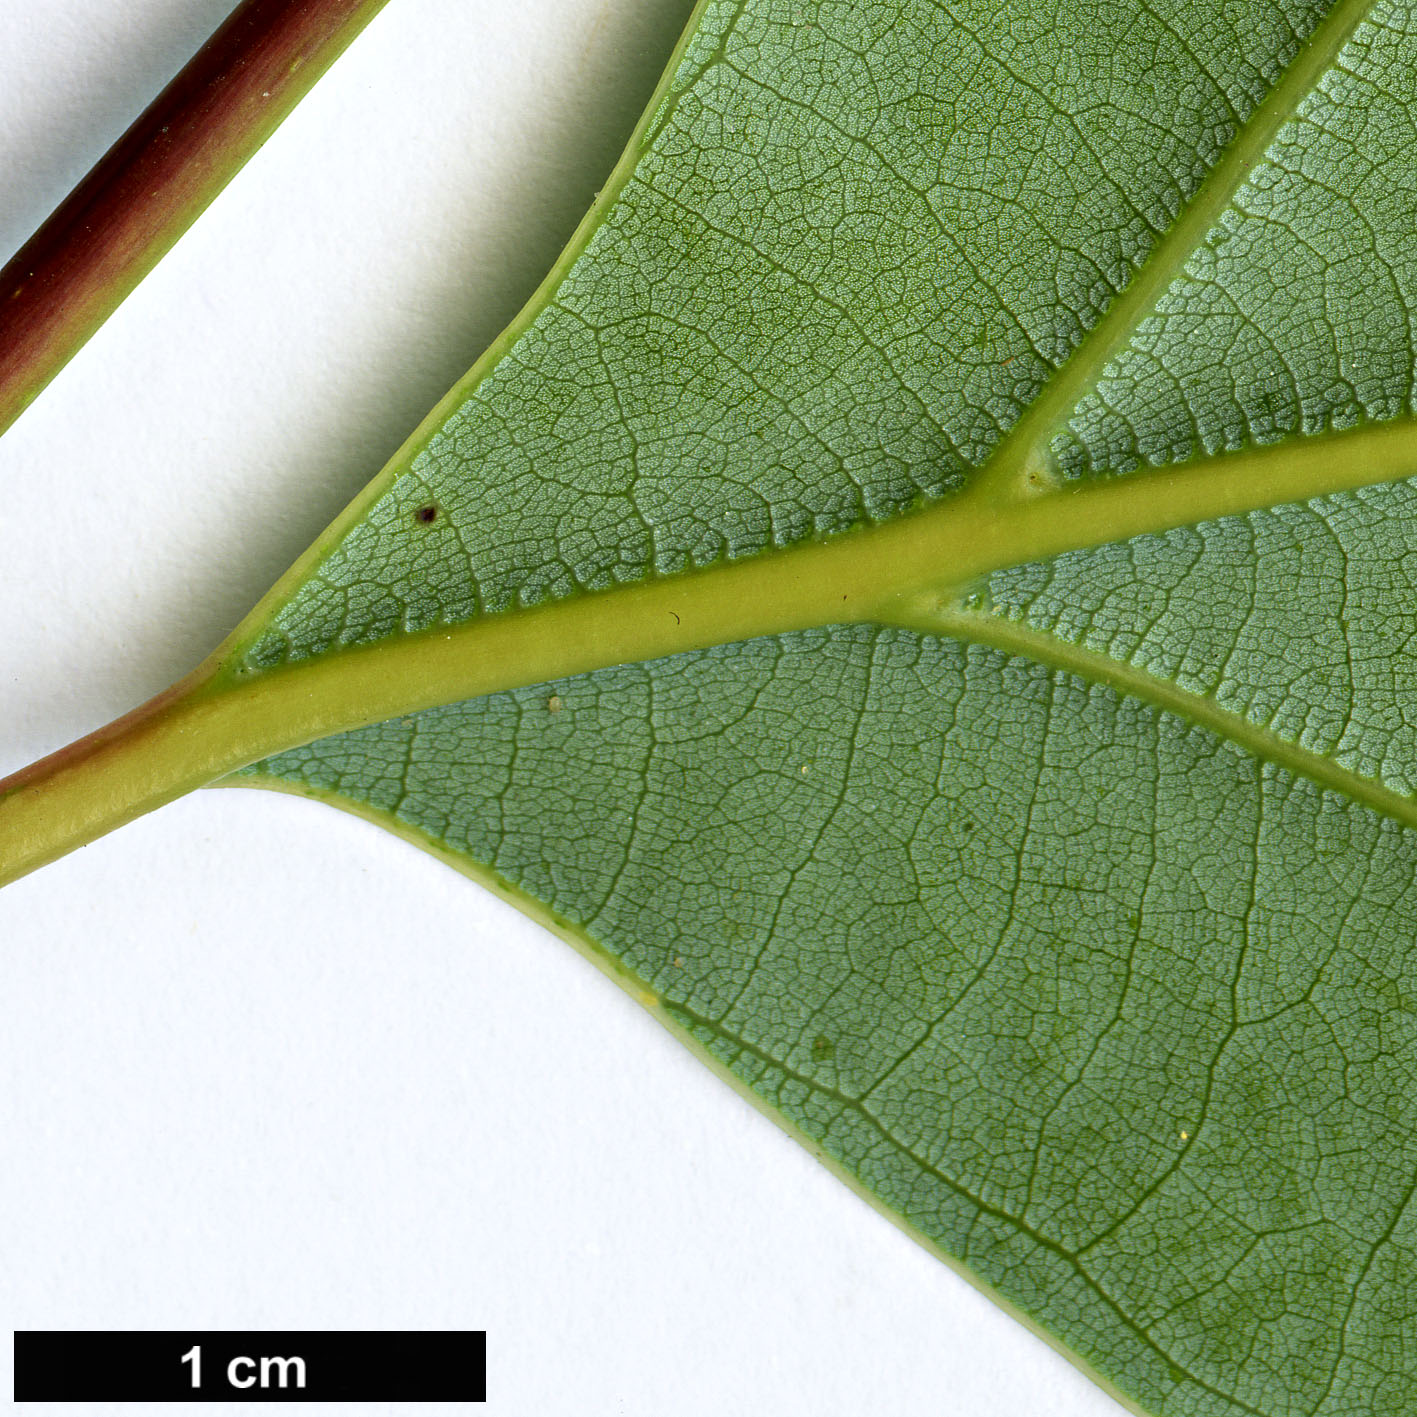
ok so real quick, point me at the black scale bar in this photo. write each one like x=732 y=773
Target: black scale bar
x=251 y=1367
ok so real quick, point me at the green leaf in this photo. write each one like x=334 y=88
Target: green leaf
x=932 y=572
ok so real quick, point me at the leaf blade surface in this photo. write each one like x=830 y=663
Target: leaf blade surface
x=1078 y=977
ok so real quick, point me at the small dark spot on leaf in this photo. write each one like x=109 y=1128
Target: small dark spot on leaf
x=426 y=514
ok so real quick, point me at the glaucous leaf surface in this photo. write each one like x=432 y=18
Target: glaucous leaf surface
x=1067 y=911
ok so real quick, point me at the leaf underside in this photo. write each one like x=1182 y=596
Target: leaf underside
x=1069 y=915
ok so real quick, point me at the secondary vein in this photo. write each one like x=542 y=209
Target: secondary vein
x=1025 y=446
x=1013 y=638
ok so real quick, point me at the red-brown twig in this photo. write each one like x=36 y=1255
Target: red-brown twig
x=158 y=178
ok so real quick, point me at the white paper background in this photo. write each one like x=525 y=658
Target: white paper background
x=263 y=1065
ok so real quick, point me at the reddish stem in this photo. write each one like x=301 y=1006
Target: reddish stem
x=158 y=178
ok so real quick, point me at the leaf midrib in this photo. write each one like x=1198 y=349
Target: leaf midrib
x=914 y=563
x=226 y=716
